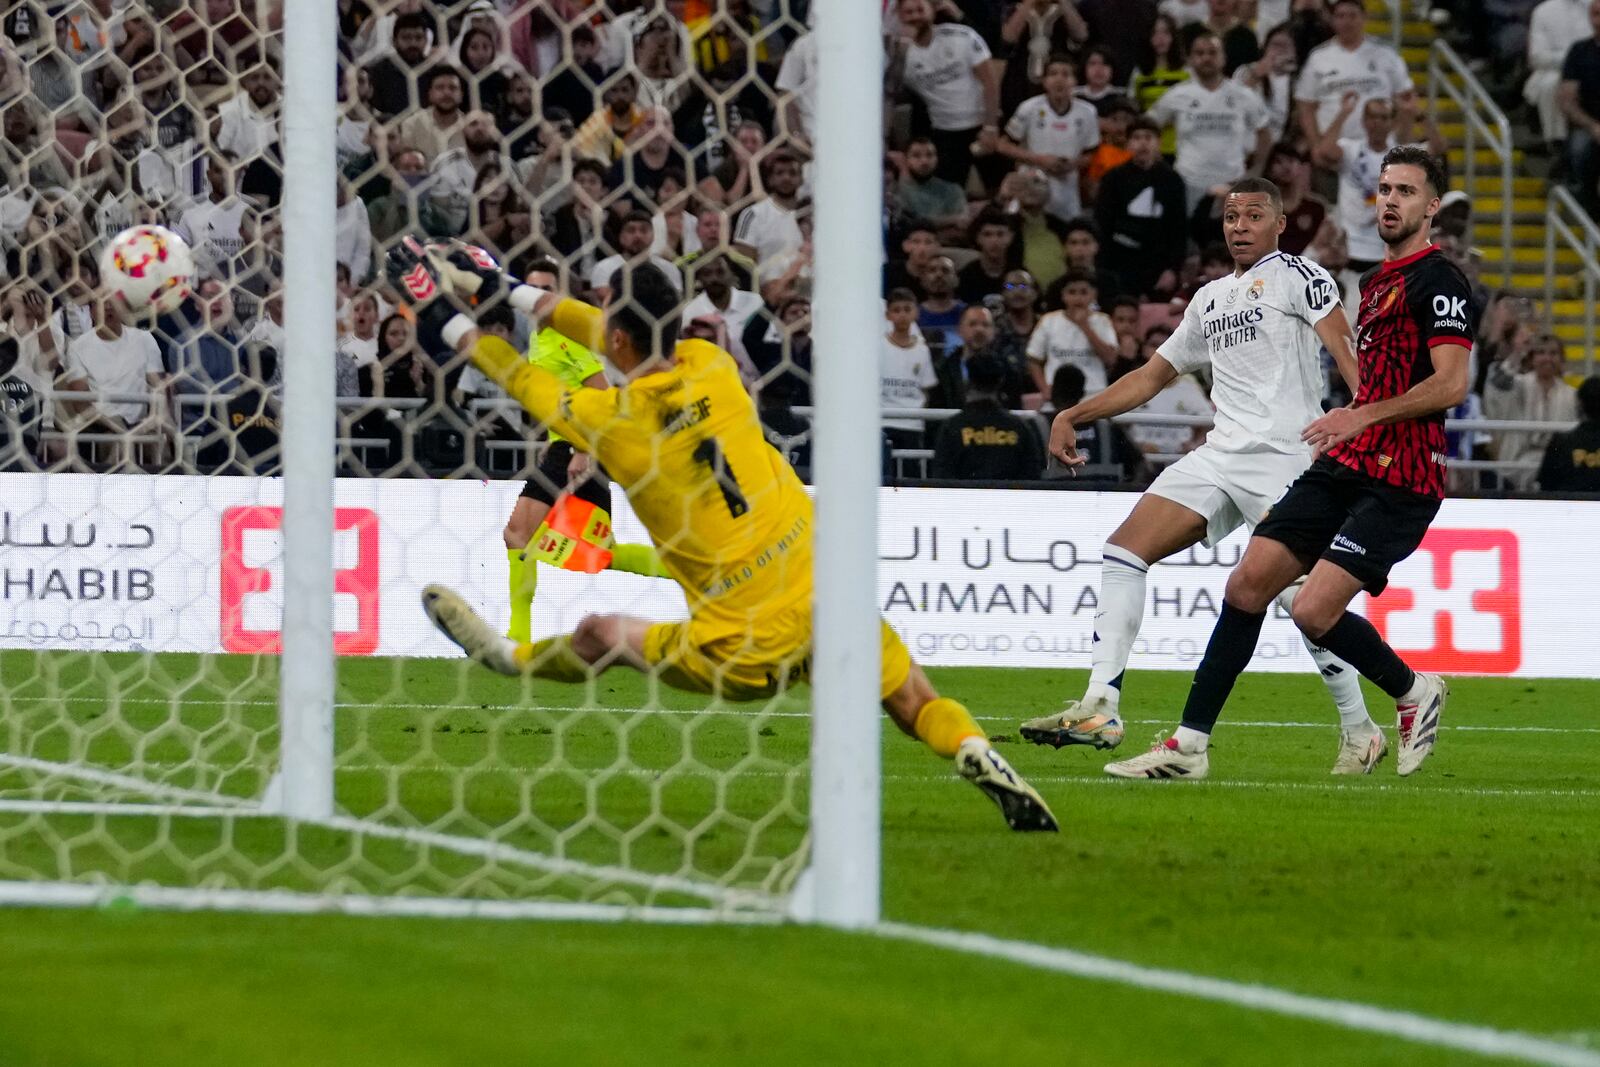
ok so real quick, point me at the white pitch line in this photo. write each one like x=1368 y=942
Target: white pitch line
x=1350 y=1015
x=745 y=713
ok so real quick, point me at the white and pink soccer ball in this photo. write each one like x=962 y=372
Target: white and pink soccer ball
x=149 y=270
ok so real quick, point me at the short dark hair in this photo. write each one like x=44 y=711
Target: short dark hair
x=415 y=20
x=782 y=155
x=1413 y=155
x=1080 y=226
x=500 y=314
x=1067 y=386
x=1062 y=59
x=1201 y=36
x=593 y=165
x=645 y=307
x=923 y=138
x=1143 y=124
x=443 y=70
x=638 y=215
x=585 y=33
x=1076 y=276
x=542 y=265
x=918 y=225
x=900 y=295
x=1259 y=186
x=1124 y=301
x=991 y=216
x=1589 y=398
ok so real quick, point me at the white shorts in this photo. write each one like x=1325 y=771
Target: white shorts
x=1229 y=489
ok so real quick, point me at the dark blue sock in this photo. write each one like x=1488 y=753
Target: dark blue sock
x=1357 y=642
x=1232 y=644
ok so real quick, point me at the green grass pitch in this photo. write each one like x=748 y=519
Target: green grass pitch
x=1470 y=892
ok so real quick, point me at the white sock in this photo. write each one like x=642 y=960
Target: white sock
x=1116 y=624
x=1414 y=694
x=1191 y=741
x=1340 y=678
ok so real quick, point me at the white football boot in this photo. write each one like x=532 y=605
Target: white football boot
x=1164 y=760
x=1359 y=753
x=1419 y=724
x=456 y=620
x=1020 y=803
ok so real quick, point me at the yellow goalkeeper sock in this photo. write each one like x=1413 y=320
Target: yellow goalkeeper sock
x=943 y=724
x=637 y=559
x=552 y=659
x=524 y=578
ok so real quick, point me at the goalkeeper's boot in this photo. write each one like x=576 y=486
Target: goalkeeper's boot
x=1360 y=752
x=1419 y=724
x=1020 y=803
x=1090 y=721
x=1164 y=760
x=456 y=620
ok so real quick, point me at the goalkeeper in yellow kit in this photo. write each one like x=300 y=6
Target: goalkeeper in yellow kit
x=728 y=515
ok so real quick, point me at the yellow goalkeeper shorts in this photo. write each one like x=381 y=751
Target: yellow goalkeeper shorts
x=773 y=654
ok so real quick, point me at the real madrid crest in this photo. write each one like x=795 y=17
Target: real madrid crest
x=1257 y=287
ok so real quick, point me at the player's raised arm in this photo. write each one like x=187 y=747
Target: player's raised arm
x=433 y=284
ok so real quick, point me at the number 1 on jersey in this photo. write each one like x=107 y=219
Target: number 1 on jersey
x=710 y=453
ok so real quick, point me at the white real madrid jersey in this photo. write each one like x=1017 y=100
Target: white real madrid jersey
x=1255 y=329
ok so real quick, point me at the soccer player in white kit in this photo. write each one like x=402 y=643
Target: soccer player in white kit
x=1261 y=329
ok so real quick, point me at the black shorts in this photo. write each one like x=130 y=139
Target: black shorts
x=551 y=480
x=1357 y=523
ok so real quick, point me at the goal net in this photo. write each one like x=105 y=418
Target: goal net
x=146 y=463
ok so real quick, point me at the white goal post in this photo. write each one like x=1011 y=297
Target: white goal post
x=224 y=752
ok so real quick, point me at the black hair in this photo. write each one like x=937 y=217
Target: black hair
x=638 y=215
x=645 y=306
x=1589 y=399
x=500 y=315
x=443 y=70
x=542 y=265
x=1066 y=388
x=415 y=20
x=593 y=165
x=585 y=33
x=1142 y=123
x=1076 y=276
x=1080 y=226
x=1259 y=186
x=1411 y=155
x=1063 y=59
x=1124 y=301
x=901 y=296
x=912 y=226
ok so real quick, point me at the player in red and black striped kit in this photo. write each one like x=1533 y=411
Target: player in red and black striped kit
x=1366 y=503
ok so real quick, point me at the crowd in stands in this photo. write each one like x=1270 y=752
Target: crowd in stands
x=1053 y=177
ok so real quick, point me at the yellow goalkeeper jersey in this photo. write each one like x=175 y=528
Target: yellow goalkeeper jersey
x=569 y=361
x=731 y=519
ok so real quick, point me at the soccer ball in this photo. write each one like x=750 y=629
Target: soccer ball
x=147 y=269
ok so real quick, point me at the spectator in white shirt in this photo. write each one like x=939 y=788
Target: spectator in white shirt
x=1358 y=161
x=218 y=228
x=455 y=171
x=246 y=124
x=634 y=238
x=118 y=360
x=1223 y=129
x=770 y=226
x=906 y=374
x=713 y=275
x=1555 y=25
x=1348 y=63
x=353 y=242
x=1535 y=395
x=947 y=68
x=1054 y=131
x=1076 y=334
x=439 y=127
x=797 y=84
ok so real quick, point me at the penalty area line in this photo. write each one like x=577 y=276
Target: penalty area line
x=1349 y=1015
